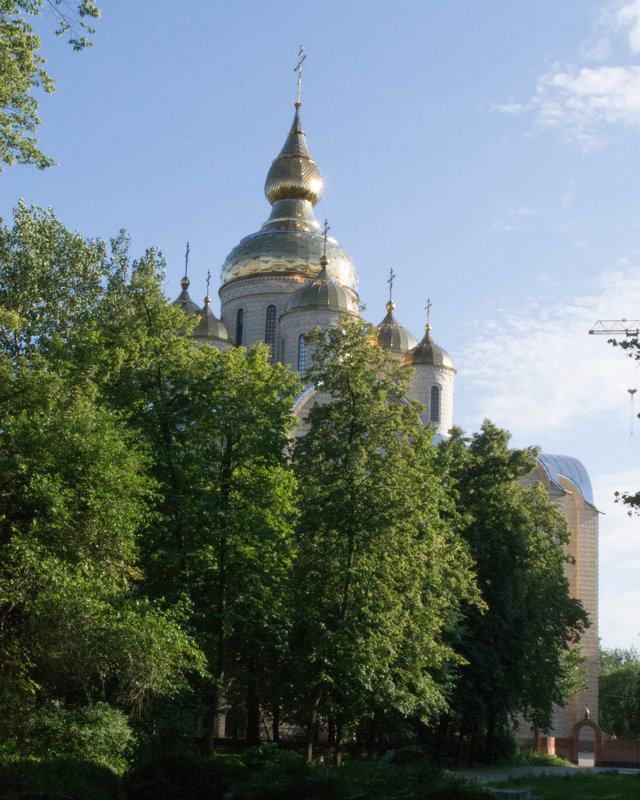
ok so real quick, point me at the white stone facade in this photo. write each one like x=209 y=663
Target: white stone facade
x=424 y=379
x=254 y=295
x=582 y=574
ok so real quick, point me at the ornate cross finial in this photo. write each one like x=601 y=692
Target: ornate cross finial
x=325 y=231
x=392 y=275
x=298 y=68
x=208 y=281
x=428 y=309
x=186 y=261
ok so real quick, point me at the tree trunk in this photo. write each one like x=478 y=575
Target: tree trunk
x=331 y=732
x=371 y=736
x=311 y=724
x=337 y=758
x=275 y=721
x=211 y=715
x=253 y=713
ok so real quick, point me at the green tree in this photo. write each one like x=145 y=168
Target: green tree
x=380 y=570
x=213 y=428
x=22 y=71
x=216 y=428
x=73 y=491
x=619 y=692
x=518 y=648
x=76 y=494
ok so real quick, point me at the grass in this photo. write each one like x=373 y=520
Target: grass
x=593 y=786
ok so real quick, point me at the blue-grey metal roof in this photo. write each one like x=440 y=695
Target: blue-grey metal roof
x=569 y=468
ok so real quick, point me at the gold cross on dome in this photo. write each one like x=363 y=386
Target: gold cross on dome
x=298 y=68
x=428 y=309
x=186 y=261
x=392 y=275
x=325 y=231
x=208 y=281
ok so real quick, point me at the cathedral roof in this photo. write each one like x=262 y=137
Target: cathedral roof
x=184 y=301
x=570 y=468
x=323 y=292
x=393 y=336
x=210 y=328
x=290 y=241
x=428 y=353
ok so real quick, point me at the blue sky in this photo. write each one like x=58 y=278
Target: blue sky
x=487 y=151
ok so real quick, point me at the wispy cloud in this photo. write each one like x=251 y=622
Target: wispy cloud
x=540 y=371
x=582 y=102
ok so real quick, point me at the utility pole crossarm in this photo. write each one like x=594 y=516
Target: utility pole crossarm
x=620 y=327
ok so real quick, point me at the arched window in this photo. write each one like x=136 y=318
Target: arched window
x=270 y=333
x=302 y=355
x=435 y=404
x=239 y=326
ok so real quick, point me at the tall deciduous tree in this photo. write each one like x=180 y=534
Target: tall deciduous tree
x=72 y=493
x=517 y=648
x=619 y=692
x=22 y=71
x=380 y=569
x=75 y=490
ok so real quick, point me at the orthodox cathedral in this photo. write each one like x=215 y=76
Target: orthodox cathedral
x=289 y=277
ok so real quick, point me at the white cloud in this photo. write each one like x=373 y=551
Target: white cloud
x=576 y=101
x=628 y=20
x=580 y=102
x=540 y=371
x=523 y=211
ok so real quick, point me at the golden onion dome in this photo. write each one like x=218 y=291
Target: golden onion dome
x=323 y=293
x=393 y=336
x=291 y=241
x=428 y=354
x=210 y=328
x=294 y=175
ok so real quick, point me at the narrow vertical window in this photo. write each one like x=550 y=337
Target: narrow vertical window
x=435 y=404
x=302 y=355
x=270 y=333
x=239 y=326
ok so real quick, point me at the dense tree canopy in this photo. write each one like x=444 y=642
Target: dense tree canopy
x=381 y=569
x=22 y=71
x=518 y=649
x=168 y=552
x=619 y=693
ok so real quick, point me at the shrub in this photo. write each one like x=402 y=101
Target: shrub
x=58 y=779
x=169 y=777
x=99 y=734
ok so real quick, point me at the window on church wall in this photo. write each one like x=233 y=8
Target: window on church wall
x=435 y=404
x=270 y=332
x=282 y=350
x=239 y=326
x=302 y=355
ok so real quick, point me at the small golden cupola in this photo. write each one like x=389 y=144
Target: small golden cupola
x=183 y=300
x=427 y=353
x=210 y=330
x=391 y=335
